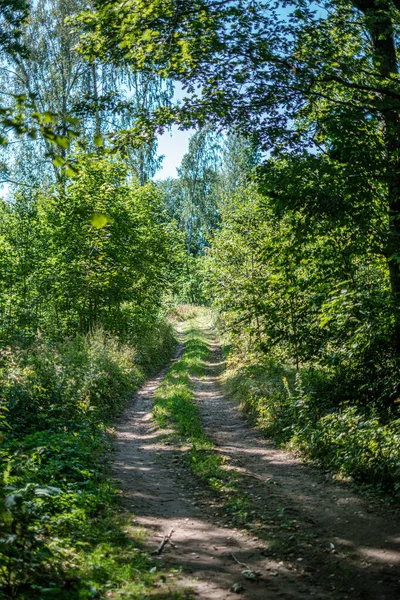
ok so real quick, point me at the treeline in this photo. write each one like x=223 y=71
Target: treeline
x=313 y=278
x=302 y=286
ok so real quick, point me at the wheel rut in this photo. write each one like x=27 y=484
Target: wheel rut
x=343 y=545
x=160 y=497
x=315 y=539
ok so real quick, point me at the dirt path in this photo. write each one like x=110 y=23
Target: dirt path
x=314 y=538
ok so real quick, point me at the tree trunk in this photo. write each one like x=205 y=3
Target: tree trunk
x=378 y=20
x=96 y=96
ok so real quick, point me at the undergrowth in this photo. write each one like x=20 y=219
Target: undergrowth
x=62 y=535
x=175 y=406
x=354 y=441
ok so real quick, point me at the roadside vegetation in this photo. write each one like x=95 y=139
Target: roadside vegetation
x=356 y=443
x=62 y=534
x=309 y=322
x=86 y=270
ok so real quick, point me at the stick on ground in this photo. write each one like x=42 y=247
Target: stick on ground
x=166 y=539
x=240 y=563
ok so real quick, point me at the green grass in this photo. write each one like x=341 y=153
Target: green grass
x=175 y=408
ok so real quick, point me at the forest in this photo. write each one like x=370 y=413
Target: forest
x=274 y=253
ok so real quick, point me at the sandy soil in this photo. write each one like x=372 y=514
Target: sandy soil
x=310 y=537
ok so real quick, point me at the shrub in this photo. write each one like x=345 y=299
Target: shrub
x=356 y=441
x=56 y=502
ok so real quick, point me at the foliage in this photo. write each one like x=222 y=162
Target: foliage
x=294 y=76
x=303 y=278
x=56 y=82
x=192 y=201
x=191 y=282
x=278 y=60
x=240 y=157
x=195 y=204
x=355 y=442
x=210 y=171
x=60 y=532
x=13 y=13
x=94 y=253
x=19 y=109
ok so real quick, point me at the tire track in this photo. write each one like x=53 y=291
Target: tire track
x=339 y=543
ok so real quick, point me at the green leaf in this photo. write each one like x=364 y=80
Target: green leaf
x=98 y=140
x=71 y=171
x=72 y=120
x=62 y=141
x=58 y=161
x=99 y=220
x=48 y=117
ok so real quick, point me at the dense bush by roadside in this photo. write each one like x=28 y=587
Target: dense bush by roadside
x=356 y=442
x=294 y=299
x=60 y=536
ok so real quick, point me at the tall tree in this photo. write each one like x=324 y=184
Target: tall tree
x=240 y=157
x=198 y=175
x=50 y=73
x=19 y=113
x=105 y=98
x=192 y=201
x=292 y=74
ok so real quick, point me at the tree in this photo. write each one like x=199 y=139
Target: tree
x=240 y=157
x=292 y=75
x=191 y=200
x=49 y=73
x=66 y=88
x=96 y=252
x=18 y=111
x=12 y=15
x=197 y=180
x=300 y=278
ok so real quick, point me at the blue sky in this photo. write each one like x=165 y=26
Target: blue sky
x=173 y=145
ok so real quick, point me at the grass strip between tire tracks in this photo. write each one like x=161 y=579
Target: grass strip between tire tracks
x=175 y=406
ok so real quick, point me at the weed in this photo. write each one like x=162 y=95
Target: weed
x=61 y=533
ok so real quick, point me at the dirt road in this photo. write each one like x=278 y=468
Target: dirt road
x=309 y=537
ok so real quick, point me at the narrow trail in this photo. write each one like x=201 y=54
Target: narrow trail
x=315 y=538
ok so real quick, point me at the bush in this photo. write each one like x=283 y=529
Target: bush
x=356 y=441
x=56 y=502
x=50 y=384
